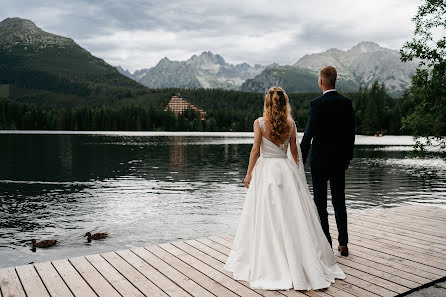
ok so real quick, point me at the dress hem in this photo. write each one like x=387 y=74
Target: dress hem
x=300 y=287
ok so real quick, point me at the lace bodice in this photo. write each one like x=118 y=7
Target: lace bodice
x=284 y=145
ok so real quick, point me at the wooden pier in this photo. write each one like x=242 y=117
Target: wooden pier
x=392 y=252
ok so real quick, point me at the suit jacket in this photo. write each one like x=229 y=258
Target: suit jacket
x=331 y=126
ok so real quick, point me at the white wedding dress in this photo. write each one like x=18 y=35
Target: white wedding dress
x=279 y=243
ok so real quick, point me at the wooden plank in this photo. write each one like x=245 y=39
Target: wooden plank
x=120 y=283
x=371 y=248
x=73 y=279
x=161 y=281
x=420 y=261
x=200 y=278
x=173 y=274
x=425 y=211
x=214 y=245
x=227 y=237
x=389 y=260
x=420 y=215
x=10 y=283
x=205 y=264
x=415 y=232
x=419 y=223
x=434 y=226
x=380 y=236
x=394 y=231
x=293 y=293
x=146 y=286
x=406 y=284
x=374 y=284
x=96 y=281
x=431 y=259
x=52 y=280
x=221 y=241
x=208 y=250
x=305 y=293
x=417 y=226
x=330 y=291
x=31 y=282
x=352 y=288
x=432 y=209
x=397 y=243
x=212 y=273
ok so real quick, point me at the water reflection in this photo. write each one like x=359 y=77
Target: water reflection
x=146 y=189
x=177 y=152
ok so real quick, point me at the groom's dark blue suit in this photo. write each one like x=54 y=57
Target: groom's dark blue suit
x=331 y=133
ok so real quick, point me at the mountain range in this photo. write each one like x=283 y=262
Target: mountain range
x=34 y=59
x=204 y=71
x=358 y=67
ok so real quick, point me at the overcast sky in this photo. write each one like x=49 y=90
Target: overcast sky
x=137 y=34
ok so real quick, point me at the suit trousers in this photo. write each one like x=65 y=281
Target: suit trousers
x=336 y=176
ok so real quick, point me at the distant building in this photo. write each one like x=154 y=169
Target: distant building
x=178 y=105
x=4 y=90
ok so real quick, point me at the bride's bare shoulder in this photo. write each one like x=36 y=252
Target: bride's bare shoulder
x=256 y=122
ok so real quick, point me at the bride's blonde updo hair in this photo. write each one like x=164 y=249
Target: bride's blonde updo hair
x=277 y=112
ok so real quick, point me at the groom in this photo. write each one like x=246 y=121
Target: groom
x=331 y=126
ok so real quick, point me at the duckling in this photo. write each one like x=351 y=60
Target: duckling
x=43 y=244
x=95 y=236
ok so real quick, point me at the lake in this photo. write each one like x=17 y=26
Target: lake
x=147 y=187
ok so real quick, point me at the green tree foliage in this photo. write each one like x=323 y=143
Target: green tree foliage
x=427 y=96
x=376 y=111
x=143 y=110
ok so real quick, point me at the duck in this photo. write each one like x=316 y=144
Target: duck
x=43 y=243
x=95 y=236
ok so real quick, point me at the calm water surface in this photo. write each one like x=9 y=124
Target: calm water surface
x=147 y=188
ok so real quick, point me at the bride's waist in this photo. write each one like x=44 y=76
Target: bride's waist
x=269 y=155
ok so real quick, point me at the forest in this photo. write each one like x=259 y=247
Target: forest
x=142 y=109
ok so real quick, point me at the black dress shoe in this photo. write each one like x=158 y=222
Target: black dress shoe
x=344 y=250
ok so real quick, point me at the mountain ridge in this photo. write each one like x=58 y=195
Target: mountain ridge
x=44 y=65
x=206 y=70
x=358 y=67
x=24 y=47
x=363 y=64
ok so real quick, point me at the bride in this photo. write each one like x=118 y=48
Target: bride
x=279 y=242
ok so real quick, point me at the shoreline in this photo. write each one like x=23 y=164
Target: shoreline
x=401 y=140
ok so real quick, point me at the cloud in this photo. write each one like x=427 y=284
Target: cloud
x=137 y=34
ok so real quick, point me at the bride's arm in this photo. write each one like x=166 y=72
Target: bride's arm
x=293 y=146
x=255 y=152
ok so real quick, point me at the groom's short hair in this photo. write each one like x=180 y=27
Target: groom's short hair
x=329 y=75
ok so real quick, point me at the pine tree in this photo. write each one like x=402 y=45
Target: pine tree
x=428 y=92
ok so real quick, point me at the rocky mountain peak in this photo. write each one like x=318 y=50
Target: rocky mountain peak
x=366 y=47
x=18 y=24
x=207 y=57
x=164 y=62
x=22 y=32
x=206 y=70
